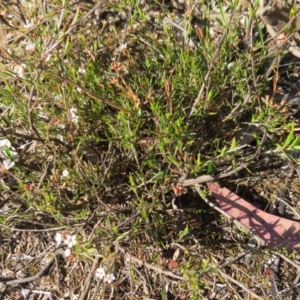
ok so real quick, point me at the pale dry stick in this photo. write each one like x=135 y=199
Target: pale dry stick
x=211 y=65
x=234 y=150
x=2 y=32
x=142 y=277
x=295 y=283
x=245 y=273
x=148 y=181
x=287 y=204
x=238 y=284
x=294 y=50
x=34 y=230
x=111 y=294
x=164 y=289
x=37 y=223
x=94 y=228
x=231 y=114
x=96 y=289
x=218 y=266
x=30 y=108
x=289 y=289
x=228 y=283
x=61 y=16
x=58 y=275
x=293 y=263
x=148 y=281
x=130 y=279
x=89 y=279
x=238 y=257
x=207 y=178
x=148 y=44
x=149 y=266
x=43 y=176
x=129 y=219
x=27 y=292
x=297 y=279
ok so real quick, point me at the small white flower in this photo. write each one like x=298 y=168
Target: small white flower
x=8 y=164
x=24 y=293
x=65 y=173
x=20 y=70
x=122 y=47
x=70 y=240
x=67 y=252
x=30 y=47
x=5 y=142
x=74 y=117
x=58 y=97
x=100 y=273
x=27 y=4
x=60 y=137
x=79 y=90
x=48 y=57
x=58 y=238
x=70 y=296
x=81 y=71
x=67 y=239
x=28 y=24
x=109 y=278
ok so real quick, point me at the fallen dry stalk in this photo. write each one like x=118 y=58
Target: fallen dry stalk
x=147 y=265
x=34 y=277
x=238 y=283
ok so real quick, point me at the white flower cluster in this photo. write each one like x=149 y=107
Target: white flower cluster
x=74 y=116
x=7 y=164
x=101 y=275
x=67 y=239
x=65 y=173
x=5 y=145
